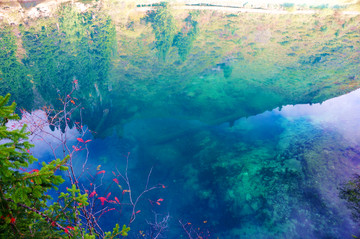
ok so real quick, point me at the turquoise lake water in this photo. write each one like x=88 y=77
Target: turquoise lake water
x=268 y=175
x=249 y=123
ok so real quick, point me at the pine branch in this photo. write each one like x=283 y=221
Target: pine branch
x=47 y=218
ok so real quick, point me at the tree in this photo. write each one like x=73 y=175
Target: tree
x=14 y=77
x=72 y=46
x=23 y=194
x=26 y=210
x=164 y=27
x=184 y=39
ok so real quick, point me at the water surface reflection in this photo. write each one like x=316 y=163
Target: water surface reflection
x=273 y=175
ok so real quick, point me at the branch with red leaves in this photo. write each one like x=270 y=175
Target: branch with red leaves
x=89 y=214
x=47 y=218
x=192 y=233
x=147 y=189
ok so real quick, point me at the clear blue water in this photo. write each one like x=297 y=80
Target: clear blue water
x=248 y=122
x=272 y=175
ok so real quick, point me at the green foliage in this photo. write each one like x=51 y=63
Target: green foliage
x=124 y=231
x=320 y=7
x=185 y=38
x=20 y=191
x=323 y=28
x=163 y=24
x=116 y=232
x=13 y=74
x=72 y=46
x=72 y=50
x=287 y=5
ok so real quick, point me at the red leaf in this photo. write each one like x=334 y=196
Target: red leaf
x=34 y=170
x=138 y=211
x=102 y=199
x=66 y=231
x=92 y=194
x=70 y=227
x=72 y=102
x=53 y=224
x=116 y=199
x=160 y=200
x=114 y=173
x=12 y=220
x=158 y=203
x=87 y=141
x=108 y=195
x=110 y=209
x=116 y=181
x=102 y=171
x=80 y=140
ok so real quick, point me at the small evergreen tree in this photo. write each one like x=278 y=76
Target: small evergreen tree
x=164 y=27
x=26 y=210
x=23 y=194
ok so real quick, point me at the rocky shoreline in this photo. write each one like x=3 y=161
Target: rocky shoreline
x=14 y=12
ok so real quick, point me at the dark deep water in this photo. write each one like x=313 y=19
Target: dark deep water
x=249 y=122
